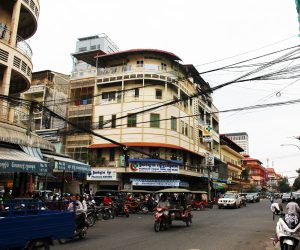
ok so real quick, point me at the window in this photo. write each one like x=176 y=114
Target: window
x=140 y=64
x=111 y=154
x=158 y=93
x=163 y=66
x=109 y=96
x=191 y=132
x=82 y=96
x=182 y=127
x=131 y=120
x=173 y=123
x=136 y=93
x=154 y=120
x=113 y=121
x=186 y=129
x=101 y=122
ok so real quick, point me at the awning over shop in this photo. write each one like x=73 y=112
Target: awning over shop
x=14 y=160
x=68 y=164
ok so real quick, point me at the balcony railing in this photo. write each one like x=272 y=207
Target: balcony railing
x=21 y=44
x=13 y=115
x=151 y=68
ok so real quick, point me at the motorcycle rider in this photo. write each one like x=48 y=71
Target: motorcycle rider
x=79 y=211
x=107 y=200
x=292 y=207
x=164 y=203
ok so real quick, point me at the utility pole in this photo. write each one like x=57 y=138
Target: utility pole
x=209 y=164
x=208 y=185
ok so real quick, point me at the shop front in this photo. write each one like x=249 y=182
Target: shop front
x=103 y=179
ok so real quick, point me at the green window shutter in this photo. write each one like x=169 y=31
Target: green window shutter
x=173 y=123
x=154 y=120
x=101 y=122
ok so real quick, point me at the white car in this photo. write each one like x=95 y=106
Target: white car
x=230 y=200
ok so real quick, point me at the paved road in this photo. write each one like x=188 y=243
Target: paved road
x=248 y=228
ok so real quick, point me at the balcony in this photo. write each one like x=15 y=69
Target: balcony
x=13 y=115
x=127 y=72
x=29 y=15
x=20 y=45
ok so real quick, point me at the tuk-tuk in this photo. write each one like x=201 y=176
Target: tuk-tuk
x=179 y=208
x=200 y=200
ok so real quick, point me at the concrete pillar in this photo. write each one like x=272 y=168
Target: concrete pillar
x=15 y=22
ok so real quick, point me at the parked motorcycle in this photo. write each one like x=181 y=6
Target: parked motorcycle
x=133 y=206
x=287 y=229
x=148 y=206
x=121 y=209
x=80 y=230
x=108 y=211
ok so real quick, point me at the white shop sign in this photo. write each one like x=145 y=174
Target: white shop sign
x=153 y=168
x=159 y=183
x=102 y=174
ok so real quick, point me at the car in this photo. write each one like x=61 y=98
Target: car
x=257 y=197
x=251 y=197
x=286 y=197
x=230 y=200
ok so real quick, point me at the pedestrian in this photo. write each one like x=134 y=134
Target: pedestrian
x=292 y=207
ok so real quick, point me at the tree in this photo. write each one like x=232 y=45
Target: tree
x=245 y=174
x=296 y=184
x=284 y=186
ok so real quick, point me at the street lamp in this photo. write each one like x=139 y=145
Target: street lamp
x=291 y=145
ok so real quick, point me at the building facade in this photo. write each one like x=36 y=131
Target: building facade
x=257 y=173
x=167 y=142
x=231 y=155
x=52 y=89
x=241 y=139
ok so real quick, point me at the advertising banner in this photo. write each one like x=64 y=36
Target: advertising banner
x=102 y=174
x=144 y=167
x=159 y=183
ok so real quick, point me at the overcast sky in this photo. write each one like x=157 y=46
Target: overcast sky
x=199 y=32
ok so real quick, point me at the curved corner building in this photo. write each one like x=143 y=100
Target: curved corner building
x=18 y=145
x=133 y=81
x=18 y=22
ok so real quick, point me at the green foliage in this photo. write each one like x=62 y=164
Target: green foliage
x=284 y=186
x=296 y=184
x=245 y=174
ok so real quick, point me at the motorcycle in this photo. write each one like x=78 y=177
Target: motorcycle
x=108 y=211
x=148 y=206
x=80 y=230
x=133 y=206
x=161 y=220
x=287 y=229
x=121 y=209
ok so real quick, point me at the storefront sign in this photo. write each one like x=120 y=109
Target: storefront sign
x=159 y=183
x=144 y=167
x=102 y=174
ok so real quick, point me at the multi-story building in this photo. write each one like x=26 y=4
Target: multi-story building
x=231 y=155
x=50 y=88
x=241 y=139
x=82 y=88
x=257 y=173
x=19 y=148
x=132 y=81
x=273 y=179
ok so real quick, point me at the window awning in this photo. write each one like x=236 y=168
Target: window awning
x=68 y=164
x=14 y=160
